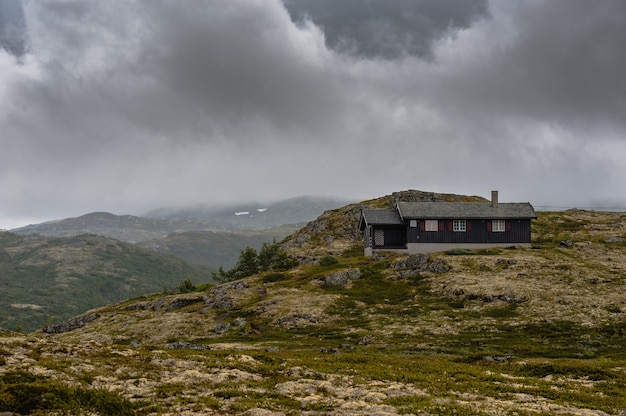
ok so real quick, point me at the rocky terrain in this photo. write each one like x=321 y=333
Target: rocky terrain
x=536 y=331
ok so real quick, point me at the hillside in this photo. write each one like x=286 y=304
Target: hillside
x=163 y=222
x=537 y=331
x=47 y=279
x=213 y=248
x=336 y=231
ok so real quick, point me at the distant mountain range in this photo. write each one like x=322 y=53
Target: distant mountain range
x=165 y=221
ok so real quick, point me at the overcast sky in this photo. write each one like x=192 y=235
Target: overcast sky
x=127 y=106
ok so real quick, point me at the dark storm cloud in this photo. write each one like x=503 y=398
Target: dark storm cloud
x=244 y=65
x=130 y=105
x=561 y=61
x=384 y=28
x=199 y=71
x=12 y=27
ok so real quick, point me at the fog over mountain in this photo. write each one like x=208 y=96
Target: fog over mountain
x=126 y=106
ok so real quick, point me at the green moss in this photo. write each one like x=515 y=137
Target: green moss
x=25 y=393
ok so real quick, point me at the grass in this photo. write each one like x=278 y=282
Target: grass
x=445 y=344
x=25 y=393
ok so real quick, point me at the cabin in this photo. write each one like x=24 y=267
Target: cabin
x=431 y=227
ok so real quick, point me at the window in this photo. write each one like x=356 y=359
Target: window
x=431 y=225
x=497 y=226
x=458 y=225
x=413 y=223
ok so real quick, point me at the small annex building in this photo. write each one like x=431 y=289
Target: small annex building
x=430 y=227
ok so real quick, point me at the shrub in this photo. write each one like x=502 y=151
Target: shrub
x=270 y=258
x=328 y=261
x=273 y=277
x=186 y=286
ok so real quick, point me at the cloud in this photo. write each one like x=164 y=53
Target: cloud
x=380 y=28
x=131 y=105
x=12 y=27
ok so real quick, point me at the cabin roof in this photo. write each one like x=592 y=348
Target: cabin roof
x=380 y=217
x=464 y=210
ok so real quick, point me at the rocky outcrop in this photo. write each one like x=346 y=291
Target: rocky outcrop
x=70 y=325
x=415 y=263
x=338 y=278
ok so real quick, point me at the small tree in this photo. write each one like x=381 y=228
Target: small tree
x=248 y=263
x=186 y=286
x=270 y=258
x=267 y=256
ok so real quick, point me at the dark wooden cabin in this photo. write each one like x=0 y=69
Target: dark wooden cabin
x=429 y=227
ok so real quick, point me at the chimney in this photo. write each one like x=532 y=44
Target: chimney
x=494 y=199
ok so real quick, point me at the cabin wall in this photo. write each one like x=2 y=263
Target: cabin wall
x=476 y=233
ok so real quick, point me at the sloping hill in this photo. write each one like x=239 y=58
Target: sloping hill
x=212 y=248
x=336 y=231
x=47 y=279
x=256 y=215
x=505 y=331
x=126 y=228
x=164 y=222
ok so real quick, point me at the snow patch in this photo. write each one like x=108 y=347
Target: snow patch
x=242 y=213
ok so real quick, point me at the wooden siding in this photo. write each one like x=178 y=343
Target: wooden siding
x=517 y=231
x=394 y=237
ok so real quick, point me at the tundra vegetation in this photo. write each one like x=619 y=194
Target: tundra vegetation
x=511 y=331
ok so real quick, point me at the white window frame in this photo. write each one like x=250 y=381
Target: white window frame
x=413 y=223
x=459 y=226
x=431 y=225
x=498 y=226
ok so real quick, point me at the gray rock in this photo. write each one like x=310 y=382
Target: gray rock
x=506 y=262
x=419 y=263
x=239 y=322
x=180 y=303
x=272 y=350
x=264 y=307
x=414 y=261
x=365 y=340
x=613 y=239
x=438 y=266
x=222 y=328
x=158 y=304
x=70 y=325
x=339 y=278
x=498 y=358
x=234 y=285
x=566 y=243
x=137 y=305
x=218 y=302
x=186 y=346
x=317 y=227
x=511 y=298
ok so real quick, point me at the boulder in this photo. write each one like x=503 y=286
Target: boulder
x=71 y=324
x=339 y=278
x=222 y=328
